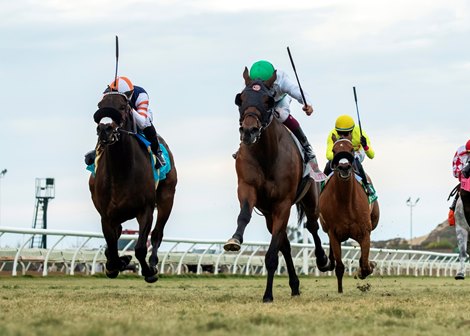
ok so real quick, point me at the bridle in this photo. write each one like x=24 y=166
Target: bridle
x=342 y=161
x=253 y=95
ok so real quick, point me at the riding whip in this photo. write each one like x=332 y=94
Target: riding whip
x=297 y=77
x=357 y=110
x=117 y=58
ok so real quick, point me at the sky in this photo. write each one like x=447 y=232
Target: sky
x=409 y=61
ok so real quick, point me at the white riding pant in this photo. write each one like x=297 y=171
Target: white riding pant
x=461 y=229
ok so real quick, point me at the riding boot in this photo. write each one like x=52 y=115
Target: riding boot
x=151 y=136
x=308 y=151
x=90 y=157
x=362 y=174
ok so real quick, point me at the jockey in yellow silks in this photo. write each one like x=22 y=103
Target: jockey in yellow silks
x=345 y=128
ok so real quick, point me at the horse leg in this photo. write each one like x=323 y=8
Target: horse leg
x=246 y=208
x=279 y=224
x=113 y=263
x=335 y=246
x=293 y=278
x=366 y=267
x=462 y=236
x=323 y=263
x=145 y=224
x=164 y=207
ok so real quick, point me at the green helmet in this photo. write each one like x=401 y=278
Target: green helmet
x=261 y=70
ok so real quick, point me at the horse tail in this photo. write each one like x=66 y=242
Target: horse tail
x=300 y=213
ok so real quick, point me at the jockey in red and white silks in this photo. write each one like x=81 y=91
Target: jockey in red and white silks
x=461 y=158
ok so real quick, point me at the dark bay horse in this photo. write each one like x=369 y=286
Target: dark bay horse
x=123 y=187
x=269 y=168
x=345 y=211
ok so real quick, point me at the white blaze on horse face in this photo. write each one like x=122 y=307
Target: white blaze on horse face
x=106 y=120
x=343 y=161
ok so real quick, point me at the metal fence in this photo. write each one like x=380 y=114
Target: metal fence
x=180 y=256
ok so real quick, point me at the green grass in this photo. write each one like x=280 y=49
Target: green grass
x=232 y=305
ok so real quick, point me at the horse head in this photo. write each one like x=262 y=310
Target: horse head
x=343 y=158
x=255 y=104
x=113 y=113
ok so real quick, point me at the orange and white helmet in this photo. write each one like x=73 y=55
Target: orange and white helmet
x=121 y=84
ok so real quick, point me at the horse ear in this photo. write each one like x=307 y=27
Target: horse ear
x=246 y=76
x=238 y=99
x=333 y=137
x=269 y=83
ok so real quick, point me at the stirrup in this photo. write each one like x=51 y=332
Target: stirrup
x=90 y=157
x=160 y=160
x=369 y=190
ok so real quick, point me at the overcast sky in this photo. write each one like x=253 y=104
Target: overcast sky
x=409 y=61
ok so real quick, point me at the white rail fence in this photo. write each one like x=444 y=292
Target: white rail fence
x=180 y=256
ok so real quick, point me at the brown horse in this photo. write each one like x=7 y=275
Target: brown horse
x=123 y=187
x=269 y=169
x=345 y=211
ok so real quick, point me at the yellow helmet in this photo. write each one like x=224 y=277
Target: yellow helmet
x=344 y=123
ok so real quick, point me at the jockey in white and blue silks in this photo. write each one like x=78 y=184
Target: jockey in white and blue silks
x=139 y=102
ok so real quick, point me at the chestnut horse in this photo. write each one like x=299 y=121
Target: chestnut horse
x=269 y=168
x=123 y=187
x=345 y=211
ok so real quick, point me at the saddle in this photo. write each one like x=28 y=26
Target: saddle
x=92 y=159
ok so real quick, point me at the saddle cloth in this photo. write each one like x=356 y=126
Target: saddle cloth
x=371 y=198
x=465 y=184
x=158 y=174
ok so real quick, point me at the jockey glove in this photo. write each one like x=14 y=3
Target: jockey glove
x=364 y=142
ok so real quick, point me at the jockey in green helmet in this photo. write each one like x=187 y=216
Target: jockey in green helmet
x=284 y=90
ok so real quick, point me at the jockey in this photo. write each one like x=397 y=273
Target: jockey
x=139 y=101
x=460 y=168
x=345 y=128
x=283 y=89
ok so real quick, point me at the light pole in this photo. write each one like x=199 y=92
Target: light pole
x=2 y=174
x=411 y=204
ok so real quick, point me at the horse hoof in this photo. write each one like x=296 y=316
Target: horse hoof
x=112 y=274
x=459 y=276
x=126 y=259
x=325 y=267
x=151 y=279
x=268 y=300
x=232 y=244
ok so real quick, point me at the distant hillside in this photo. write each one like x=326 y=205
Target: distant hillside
x=441 y=239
